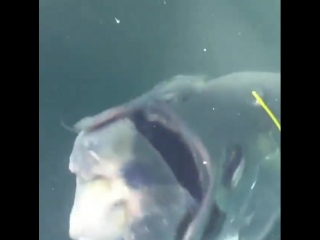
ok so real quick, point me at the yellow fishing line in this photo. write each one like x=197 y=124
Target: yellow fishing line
x=265 y=107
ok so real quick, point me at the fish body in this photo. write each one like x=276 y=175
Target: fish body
x=192 y=159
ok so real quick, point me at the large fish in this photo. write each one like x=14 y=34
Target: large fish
x=192 y=159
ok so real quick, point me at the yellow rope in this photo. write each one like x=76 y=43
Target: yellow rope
x=268 y=111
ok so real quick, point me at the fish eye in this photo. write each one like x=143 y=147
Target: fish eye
x=119 y=203
x=90 y=143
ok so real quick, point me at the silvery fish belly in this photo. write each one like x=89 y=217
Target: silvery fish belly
x=192 y=159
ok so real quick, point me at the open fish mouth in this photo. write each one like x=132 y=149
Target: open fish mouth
x=185 y=169
x=177 y=147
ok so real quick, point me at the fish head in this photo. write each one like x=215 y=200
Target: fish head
x=132 y=179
